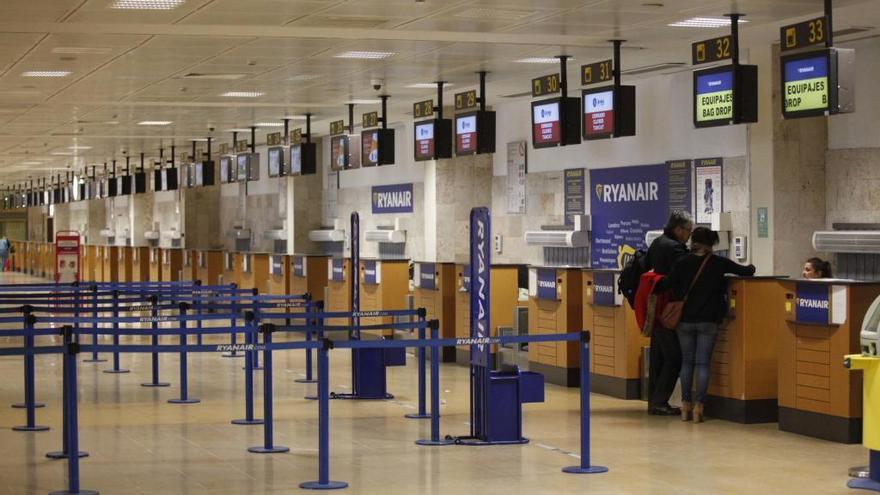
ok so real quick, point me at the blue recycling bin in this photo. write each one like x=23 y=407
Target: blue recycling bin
x=508 y=391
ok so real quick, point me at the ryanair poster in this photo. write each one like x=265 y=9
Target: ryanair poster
x=625 y=203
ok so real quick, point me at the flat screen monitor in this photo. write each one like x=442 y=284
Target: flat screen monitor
x=466 y=134
x=294 y=162
x=598 y=112
x=370 y=147
x=546 y=125
x=242 y=168
x=818 y=83
x=713 y=97
x=424 y=140
x=226 y=169
x=339 y=152
x=276 y=162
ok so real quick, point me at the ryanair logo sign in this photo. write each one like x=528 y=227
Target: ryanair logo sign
x=627 y=192
x=395 y=198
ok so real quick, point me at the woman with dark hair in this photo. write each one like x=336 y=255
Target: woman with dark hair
x=698 y=280
x=817 y=268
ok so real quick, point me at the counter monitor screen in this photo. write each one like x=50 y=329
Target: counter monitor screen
x=424 y=140
x=242 y=161
x=227 y=169
x=276 y=162
x=546 y=126
x=294 y=164
x=370 y=148
x=713 y=93
x=598 y=113
x=466 y=134
x=805 y=85
x=339 y=152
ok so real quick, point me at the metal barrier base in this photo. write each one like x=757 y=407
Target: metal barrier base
x=429 y=442
x=334 y=395
x=155 y=384
x=278 y=449
x=859 y=472
x=117 y=372
x=99 y=360
x=22 y=405
x=63 y=455
x=863 y=484
x=585 y=470
x=232 y=355
x=479 y=442
x=417 y=416
x=81 y=492
x=30 y=428
x=184 y=401
x=303 y=380
x=317 y=485
x=247 y=421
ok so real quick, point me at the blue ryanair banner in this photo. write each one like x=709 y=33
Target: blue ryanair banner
x=394 y=198
x=813 y=303
x=479 y=284
x=337 y=271
x=426 y=276
x=370 y=272
x=547 y=284
x=355 y=295
x=299 y=266
x=625 y=203
x=603 y=289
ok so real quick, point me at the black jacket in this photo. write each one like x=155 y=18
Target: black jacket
x=706 y=301
x=664 y=252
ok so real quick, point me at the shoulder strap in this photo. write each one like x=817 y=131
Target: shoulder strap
x=697 y=276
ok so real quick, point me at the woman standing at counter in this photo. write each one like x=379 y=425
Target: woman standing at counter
x=817 y=268
x=698 y=280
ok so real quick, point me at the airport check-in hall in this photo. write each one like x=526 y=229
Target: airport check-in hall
x=439 y=247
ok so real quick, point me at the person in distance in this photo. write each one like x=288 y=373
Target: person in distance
x=665 y=350
x=817 y=268
x=698 y=279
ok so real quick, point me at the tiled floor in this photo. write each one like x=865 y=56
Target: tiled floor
x=139 y=444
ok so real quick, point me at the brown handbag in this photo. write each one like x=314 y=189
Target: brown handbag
x=671 y=314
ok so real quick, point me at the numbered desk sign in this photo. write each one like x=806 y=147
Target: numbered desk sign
x=372 y=272
x=543 y=284
x=299 y=266
x=67 y=251
x=424 y=275
x=337 y=270
x=605 y=289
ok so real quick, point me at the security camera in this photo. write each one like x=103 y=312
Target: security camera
x=210 y=128
x=377 y=84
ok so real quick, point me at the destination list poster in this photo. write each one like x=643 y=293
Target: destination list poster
x=680 y=187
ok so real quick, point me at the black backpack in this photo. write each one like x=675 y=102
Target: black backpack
x=631 y=275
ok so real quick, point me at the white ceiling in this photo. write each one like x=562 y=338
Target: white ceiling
x=128 y=66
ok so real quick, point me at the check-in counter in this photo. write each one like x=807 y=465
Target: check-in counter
x=309 y=274
x=155 y=264
x=110 y=272
x=503 y=298
x=91 y=262
x=279 y=274
x=255 y=271
x=140 y=264
x=384 y=285
x=124 y=263
x=189 y=269
x=822 y=319
x=231 y=268
x=338 y=296
x=209 y=266
x=172 y=264
x=434 y=286
x=18 y=253
x=743 y=382
x=50 y=261
x=43 y=259
x=555 y=306
x=615 y=339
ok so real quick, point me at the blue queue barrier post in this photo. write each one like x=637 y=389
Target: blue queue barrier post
x=319 y=335
x=234 y=335
x=29 y=374
x=435 y=439
x=115 y=328
x=184 y=392
x=95 y=358
x=250 y=327
x=197 y=299
x=585 y=467
x=268 y=446
x=154 y=341
x=71 y=349
x=323 y=482
x=65 y=405
x=255 y=356
x=420 y=352
x=310 y=324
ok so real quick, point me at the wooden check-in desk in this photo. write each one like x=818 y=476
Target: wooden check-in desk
x=125 y=263
x=616 y=341
x=308 y=274
x=338 y=289
x=140 y=264
x=384 y=286
x=189 y=270
x=434 y=286
x=279 y=274
x=209 y=266
x=743 y=382
x=19 y=251
x=231 y=268
x=254 y=271
x=503 y=298
x=90 y=260
x=155 y=258
x=555 y=306
x=110 y=263
x=43 y=264
x=822 y=319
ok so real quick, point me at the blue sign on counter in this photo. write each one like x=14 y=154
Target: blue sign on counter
x=603 y=289
x=813 y=303
x=546 y=284
x=299 y=266
x=466 y=277
x=426 y=276
x=338 y=272
x=370 y=272
x=394 y=198
x=276 y=265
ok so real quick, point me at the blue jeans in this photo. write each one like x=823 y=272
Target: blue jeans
x=697 y=341
x=3 y=258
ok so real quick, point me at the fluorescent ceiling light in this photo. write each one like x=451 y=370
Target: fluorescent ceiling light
x=494 y=14
x=46 y=73
x=540 y=60
x=242 y=94
x=705 y=22
x=77 y=147
x=31 y=163
x=363 y=102
x=428 y=85
x=219 y=75
x=81 y=50
x=146 y=4
x=303 y=77
x=61 y=153
x=240 y=129
x=365 y=55
x=155 y=122
x=269 y=124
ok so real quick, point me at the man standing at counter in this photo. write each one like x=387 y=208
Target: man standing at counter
x=665 y=348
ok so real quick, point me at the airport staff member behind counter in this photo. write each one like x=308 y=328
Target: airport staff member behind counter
x=817 y=268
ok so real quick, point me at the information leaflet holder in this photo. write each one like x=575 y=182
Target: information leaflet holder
x=67 y=250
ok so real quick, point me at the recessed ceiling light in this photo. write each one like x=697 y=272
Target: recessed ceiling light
x=428 y=85
x=77 y=147
x=365 y=55
x=495 y=14
x=155 y=122
x=269 y=124
x=46 y=73
x=303 y=77
x=81 y=50
x=705 y=22
x=240 y=129
x=242 y=94
x=540 y=60
x=31 y=163
x=61 y=153
x=229 y=76
x=363 y=102
x=146 y=4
